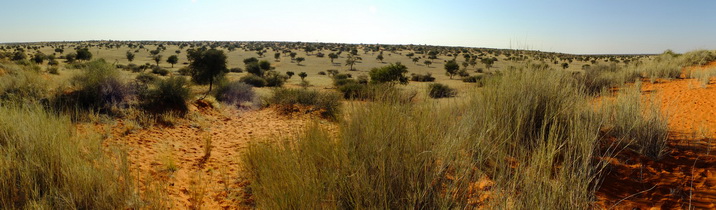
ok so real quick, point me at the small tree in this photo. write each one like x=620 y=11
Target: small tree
x=303 y=75
x=84 y=54
x=427 y=62
x=565 y=65
x=265 y=65
x=130 y=56
x=488 y=62
x=351 y=60
x=59 y=50
x=39 y=58
x=157 y=59
x=451 y=68
x=173 y=59
x=207 y=66
x=299 y=60
x=332 y=56
x=415 y=60
x=289 y=74
x=389 y=74
x=277 y=56
x=380 y=57
x=293 y=55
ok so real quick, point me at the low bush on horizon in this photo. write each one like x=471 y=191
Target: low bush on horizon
x=437 y=90
x=235 y=93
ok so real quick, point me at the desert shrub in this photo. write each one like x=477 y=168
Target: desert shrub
x=328 y=103
x=427 y=77
x=321 y=73
x=474 y=79
x=236 y=70
x=601 y=77
x=639 y=125
x=254 y=80
x=703 y=76
x=160 y=71
x=146 y=78
x=389 y=74
x=697 y=58
x=234 y=93
x=53 y=70
x=274 y=79
x=20 y=84
x=437 y=90
x=45 y=166
x=375 y=92
x=98 y=88
x=185 y=71
x=168 y=95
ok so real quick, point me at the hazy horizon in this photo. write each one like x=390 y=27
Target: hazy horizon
x=604 y=27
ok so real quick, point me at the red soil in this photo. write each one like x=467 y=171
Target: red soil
x=213 y=179
x=686 y=176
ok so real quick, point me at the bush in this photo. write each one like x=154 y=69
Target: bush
x=146 y=78
x=20 y=84
x=168 y=95
x=328 y=103
x=234 y=93
x=437 y=90
x=45 y=166
x=474 y=79
x=274 y=79
x=160 y=71
x=427 y=77
x=389 y=74
x=99 y=88
x=321 y=73
x=254 y=80
x=184 y=71
x=236 y=70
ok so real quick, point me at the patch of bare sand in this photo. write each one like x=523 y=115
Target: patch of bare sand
x=686 y=176
x=171 y=164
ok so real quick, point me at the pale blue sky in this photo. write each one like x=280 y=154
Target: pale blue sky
x=570 y=26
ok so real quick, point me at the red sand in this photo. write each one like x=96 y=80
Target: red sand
x=686 y=176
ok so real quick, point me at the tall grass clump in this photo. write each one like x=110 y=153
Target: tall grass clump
x=99 y=88
x=530 y=132
x=601 y=77
x=21 y=84
x=528 y=136
x=703 y=76
x=45 y=166
x=637 y=123
x=328 y=103
x=235 y=93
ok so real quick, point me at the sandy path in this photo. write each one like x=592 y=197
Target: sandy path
x=686 y=177
x=171 y=165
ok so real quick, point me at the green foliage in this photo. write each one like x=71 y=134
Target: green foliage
x=451 y=68
x=21 y=84
x=389 y=74
x=289 y=74
x=254 y=80
x=168 y=95
x=173 y=59
x=207 y=66
x=265 y=65
x=303 y=75
x=275 y=79
x=427 y=77
x=300 y=59
x=130 y=56
x=83 y=54
x=255 y=69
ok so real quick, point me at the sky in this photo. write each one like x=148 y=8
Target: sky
x=568 y=26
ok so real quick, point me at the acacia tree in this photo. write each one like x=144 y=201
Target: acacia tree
x=207 y=66
x=83 y=54
x=427 y=63
x=488 y=62
x=389 y=74
x=173 y=59
x=451 y=68
x=130 y=56
x=332 y=56
x=300 y=59
x=351 y=60
x=303 y=75
x=289 y=74
x=157 y=58
x=277 y=56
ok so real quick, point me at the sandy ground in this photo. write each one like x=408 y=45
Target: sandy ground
x=170 y=162
x=686 y=177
